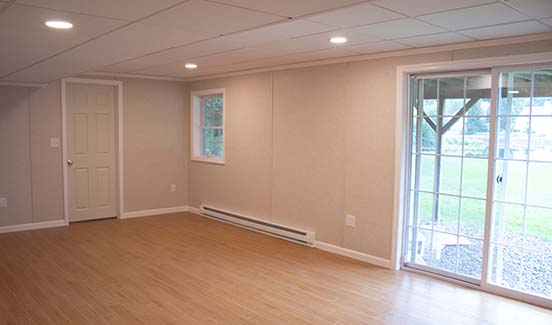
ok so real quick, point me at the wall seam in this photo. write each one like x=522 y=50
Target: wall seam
x=272 y=147
x=30 y=154
x=347 y=94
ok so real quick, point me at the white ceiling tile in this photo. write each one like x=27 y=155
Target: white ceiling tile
x=335 y=52
x=296 y=45
x=123 y=9
x=547 y=21
x=527 y=27
x=257 y=37
x=315 y=42
x=421 y=7
x=291 y=8
x=353 y=35
x=291 y=59
x=534 y=8
x=270 y=62
x=123 y=44
x=376 y=47
x=56 y=68
x=276 y=32
x=198 y=73
x=203 y=48
x=128 y=43
x=25 y=39
x=208 y=17
x=399 y=29
x=434 y=39
x=177 y=69
x=356 y=15
x=229 y=57
x=486 y=15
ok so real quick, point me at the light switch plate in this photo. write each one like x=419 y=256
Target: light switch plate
x=350 y=221
x=3 y=202
x=54 y=143
x=173 y=187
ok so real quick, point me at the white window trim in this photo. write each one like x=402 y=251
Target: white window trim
x=195 y=124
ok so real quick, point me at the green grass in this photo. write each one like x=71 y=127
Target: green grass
x=474 y=184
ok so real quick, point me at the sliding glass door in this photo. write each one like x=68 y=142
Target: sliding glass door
x=480 y=178
x=450 y=137
x=521 y=240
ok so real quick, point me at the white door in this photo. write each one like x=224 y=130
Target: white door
x=91 y=152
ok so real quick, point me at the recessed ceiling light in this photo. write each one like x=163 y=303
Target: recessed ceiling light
x=59 y=24
x=190 y=66
x=338 y=40
x=513 y=91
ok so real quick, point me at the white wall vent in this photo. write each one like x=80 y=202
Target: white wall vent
x=288 y=233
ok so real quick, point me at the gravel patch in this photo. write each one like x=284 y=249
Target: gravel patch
x=528 y=270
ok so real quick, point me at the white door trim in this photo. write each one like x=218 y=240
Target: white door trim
x=401 y=149
x=119 y=132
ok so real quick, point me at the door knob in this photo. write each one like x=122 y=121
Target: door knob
x=69 y=162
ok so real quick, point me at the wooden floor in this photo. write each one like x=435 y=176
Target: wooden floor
x=185 y=269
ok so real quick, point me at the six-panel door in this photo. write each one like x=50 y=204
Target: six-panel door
x=91 y=152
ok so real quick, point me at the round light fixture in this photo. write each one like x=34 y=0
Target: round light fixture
x=190 y=65
x=338 y=40
x=59 y=24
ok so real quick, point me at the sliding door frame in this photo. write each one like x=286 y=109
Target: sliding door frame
x=402 y=143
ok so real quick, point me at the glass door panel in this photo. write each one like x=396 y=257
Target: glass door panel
x=521 y=227
x=450 y=146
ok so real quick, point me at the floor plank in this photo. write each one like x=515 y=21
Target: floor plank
x=182 y=268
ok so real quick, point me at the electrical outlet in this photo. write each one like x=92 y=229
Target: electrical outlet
x=3 y=202
x=173 y=187
x=54 y=143
x=350 y=221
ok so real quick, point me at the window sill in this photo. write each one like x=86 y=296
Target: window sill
x=209 y=160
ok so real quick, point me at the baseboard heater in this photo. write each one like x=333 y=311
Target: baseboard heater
x=292 y=234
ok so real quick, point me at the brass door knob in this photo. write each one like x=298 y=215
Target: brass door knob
x=69 y=162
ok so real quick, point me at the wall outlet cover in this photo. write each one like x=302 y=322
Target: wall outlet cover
x=173 y=187
x=54 y=143
x=350 y=220
x=3 y=202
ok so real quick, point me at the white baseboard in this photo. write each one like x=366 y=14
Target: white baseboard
x=338 y=250
x=353 y=254
x=194 y=210
x=33 y=226
x=153 y=212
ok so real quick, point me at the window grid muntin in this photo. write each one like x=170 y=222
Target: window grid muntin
x=203 y=126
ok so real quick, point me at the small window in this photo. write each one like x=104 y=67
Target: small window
x=208 y=125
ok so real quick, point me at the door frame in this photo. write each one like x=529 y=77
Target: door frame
x=402 y=140
x=118 y=134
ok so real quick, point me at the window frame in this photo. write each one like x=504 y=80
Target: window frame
x=197 y=125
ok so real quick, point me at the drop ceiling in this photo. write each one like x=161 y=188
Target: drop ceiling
x=156 y=38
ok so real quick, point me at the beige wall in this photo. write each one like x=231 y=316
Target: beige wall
x=155 y=144
x=30 y=171
x=155 y=149
x=245 y=182
x=317 y=145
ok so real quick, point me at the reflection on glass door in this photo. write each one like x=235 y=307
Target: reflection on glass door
x=448 y=177
x=521 y=230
